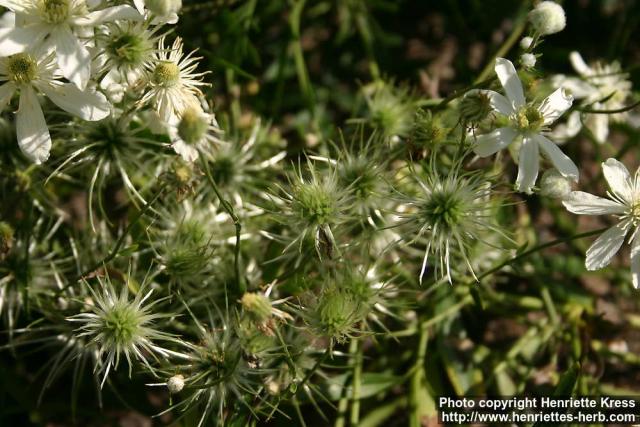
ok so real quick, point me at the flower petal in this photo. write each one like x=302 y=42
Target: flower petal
x=598 y=124
x=139 y=4
x=6 y=92
x=560 y=161
x=528 y=164
x=74 y=58
x=88 y=104
x=109 y=14
x=579 y=65
x=499 y=102
x=619 y=179
x=14 y=40
x=510 y=81
x=635 y=261
x=186 y=151
x=606 y=246
x=555 y=105
x=31 y=128
x=492 y=142
x=582 y=203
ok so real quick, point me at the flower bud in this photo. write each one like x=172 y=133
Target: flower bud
x=193 y=125
x=163 y=7
x=175 y=384
x=526 y=42
x=547 y=18
x=6 y=239
x=475 y=106
x=528 y=60
x=257 y=305
x=553 y=184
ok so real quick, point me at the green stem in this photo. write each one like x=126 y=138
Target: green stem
x=356 y=385
x=241 y=286
x=418 y=376
x=343 y=404
x=616 y=111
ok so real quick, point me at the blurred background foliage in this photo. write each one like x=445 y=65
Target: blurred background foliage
x=305 y=67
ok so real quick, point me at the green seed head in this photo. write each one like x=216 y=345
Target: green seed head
x=193 y=126
x=336 y=313
x=443 y=210
x=257 y=306
x=166 y=74
x=475 y=107
x=22 y=68
x=129 y=48
x=121 y=324
x=313 y=203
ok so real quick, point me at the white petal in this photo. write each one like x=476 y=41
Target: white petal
x=6 y=92
x=560 y=161
x=555 y=105
x=187 y=152
x=565 y=131
x=493 y=142
x=598 y=124
x=619 y=179
x=579 y=65
x=510 y=81
x=31 y=128
x=109 y=14
x=606 y=246
x=74 y=58
x=139 y=4
x=528 y=163
x=499 y=102
x=582 y=203
x=635 y=261
x=14 y=40
x=88 y=104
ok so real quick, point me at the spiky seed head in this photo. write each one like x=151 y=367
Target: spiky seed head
x=475 y=106
x=175 y=384
x=313 y=203
x=257 y=306
x=193 y=126
x=427 y=130
x=336 y=313
x=129 y=47
x=547 y=17
x=553 y=184
x=6 y=239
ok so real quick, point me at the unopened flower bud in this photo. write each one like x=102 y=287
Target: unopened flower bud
x=553 y=184
x=257 y=305
x=528 y=60
x=175 y=384
x=163 y=7
x=547 y=18
x=193 y=125
x=526 y=42
x=475 y=106
x=6 y=239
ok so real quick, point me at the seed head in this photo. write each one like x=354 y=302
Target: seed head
x=475 y=107
x=193 y=126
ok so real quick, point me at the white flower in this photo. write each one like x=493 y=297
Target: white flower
x=601 y=87
x=526 y=122
x=163 y=11
x=194 y=132
x=31 y=74
x=623 y=201
x=60 y=24
x=547 y=18
x=173 y=81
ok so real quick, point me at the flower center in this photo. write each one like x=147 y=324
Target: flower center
x=22 y=68
x=55 y=11
x=528 y=118
x=193 y=126
x=634 y=213
x=166 y=74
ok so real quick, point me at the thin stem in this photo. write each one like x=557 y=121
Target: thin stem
x=616 y=111
x=241 y=287
x=356 y=384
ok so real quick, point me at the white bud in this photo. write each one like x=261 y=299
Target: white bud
x=553 y=184
x=163 y=7
x=528 y=60
x=175 y=384
x=525 y=43
x=547 y=18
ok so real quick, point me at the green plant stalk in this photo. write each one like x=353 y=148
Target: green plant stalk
x=241 y=287
x=356 y=385
x=298 y=56
x=418 y=376
x=343 y=404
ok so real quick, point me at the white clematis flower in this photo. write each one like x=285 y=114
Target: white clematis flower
x=601 y=87
x=623 y=201
x=38 y=73
x=173 y=81
x=60 y=24
x=526 y=122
